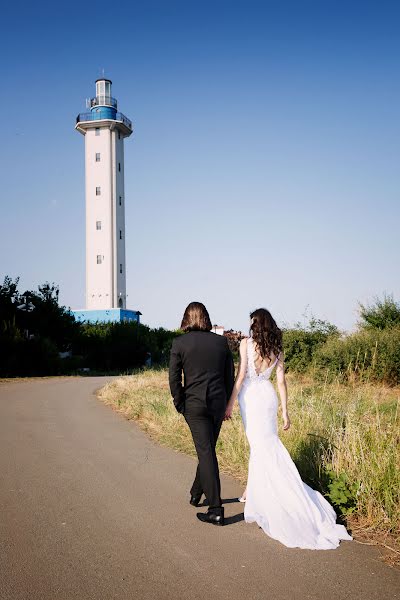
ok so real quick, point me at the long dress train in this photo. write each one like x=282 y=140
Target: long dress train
x=285 y=507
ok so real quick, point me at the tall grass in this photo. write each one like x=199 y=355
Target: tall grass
x=344 y=439
x=369 y=355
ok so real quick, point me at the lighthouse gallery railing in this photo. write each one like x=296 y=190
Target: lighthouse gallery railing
x=93 y=116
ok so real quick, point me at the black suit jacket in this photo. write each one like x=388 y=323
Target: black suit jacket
x=207 y=365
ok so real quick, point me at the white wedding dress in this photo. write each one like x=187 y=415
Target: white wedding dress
x=286 y=508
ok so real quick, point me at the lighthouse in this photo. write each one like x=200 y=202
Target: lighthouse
x=105 y=129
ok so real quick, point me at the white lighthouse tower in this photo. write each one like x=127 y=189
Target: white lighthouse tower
x=105 y=129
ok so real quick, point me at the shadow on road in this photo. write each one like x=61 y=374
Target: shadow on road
x=234 y=519
x=226 y=501
x=230 y=500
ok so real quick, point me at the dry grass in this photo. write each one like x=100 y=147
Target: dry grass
x=336 y=429
x=145 y=397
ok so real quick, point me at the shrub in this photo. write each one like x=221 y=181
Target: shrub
x=342 y=493
x=301 y=343
x=383 y=314
x=26 y=357
x=368 y=355
x=122 y=346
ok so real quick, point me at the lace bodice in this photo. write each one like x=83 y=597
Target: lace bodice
x=251 y=373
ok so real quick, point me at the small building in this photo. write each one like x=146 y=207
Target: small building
x=218 y=329
x=111 y=315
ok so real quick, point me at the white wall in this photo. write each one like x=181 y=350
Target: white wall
x=120 y=221
x=104 y=281
x=219 y=330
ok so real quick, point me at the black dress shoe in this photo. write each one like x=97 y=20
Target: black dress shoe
x=195 y=500
x=214 y=517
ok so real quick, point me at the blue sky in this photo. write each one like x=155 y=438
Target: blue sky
x=264 y=165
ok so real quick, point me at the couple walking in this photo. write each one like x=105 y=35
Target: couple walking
x=276 y=498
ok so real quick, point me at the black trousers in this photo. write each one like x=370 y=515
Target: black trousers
x=205 y=428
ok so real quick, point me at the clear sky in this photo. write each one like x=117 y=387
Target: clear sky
x=264 y=165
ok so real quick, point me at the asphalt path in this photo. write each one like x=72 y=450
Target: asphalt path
x=91 y=509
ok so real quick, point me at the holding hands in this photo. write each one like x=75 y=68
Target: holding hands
x=228 y=411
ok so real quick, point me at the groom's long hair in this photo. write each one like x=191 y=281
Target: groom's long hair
x=265 y=333
x=196 y=318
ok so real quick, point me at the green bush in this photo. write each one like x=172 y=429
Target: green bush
x=38 y=356
x=368 y=355
x=26 y=357
x=342 y=493
x=122 y=346
x=383 y=314
x=34 y=328
x=31 y=339
x=301 y=343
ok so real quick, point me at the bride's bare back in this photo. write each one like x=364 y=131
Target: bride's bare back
x=262 y=364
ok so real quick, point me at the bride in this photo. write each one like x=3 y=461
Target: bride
x=286 y=508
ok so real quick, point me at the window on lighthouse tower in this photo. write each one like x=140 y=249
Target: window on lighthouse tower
x=97 y=156
x=98 y=191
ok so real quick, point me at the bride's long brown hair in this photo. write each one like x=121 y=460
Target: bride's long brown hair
x=265 y=333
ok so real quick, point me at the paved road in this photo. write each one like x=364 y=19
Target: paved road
x=91 y=509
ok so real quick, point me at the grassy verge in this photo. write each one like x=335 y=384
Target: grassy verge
x=344 y=440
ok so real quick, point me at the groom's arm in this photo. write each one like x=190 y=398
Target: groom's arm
x=175 y=377
x=229 y=372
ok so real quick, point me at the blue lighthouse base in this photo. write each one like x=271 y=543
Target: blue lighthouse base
x=111 y=315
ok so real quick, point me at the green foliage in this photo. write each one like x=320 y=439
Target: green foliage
x=301 y=343
x=342 y=493
x=49 y=319
x=367 y=355
x=39 y=356
x=383 y=314
x=311 y=454
x=308 y=455
x=122 y=346
x=31 y=340
x=8 y=294
x=370 y=354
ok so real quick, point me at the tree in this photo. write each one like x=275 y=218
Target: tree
x=382 y=314
x=302 y=342
x=49 y=319
x=9 y=298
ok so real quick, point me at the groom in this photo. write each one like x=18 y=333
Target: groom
x=208 y=370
